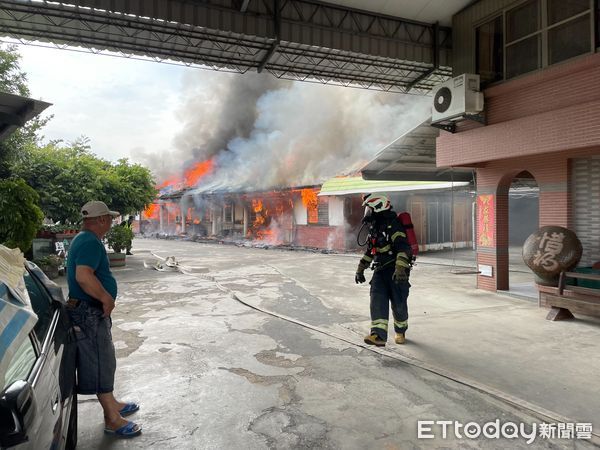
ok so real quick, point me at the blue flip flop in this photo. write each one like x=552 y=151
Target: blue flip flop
x=128 y=409
x=126 y=431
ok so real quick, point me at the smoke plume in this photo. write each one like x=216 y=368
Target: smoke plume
x=264 y=133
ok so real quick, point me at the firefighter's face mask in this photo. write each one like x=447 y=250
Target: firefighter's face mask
x=368 y=216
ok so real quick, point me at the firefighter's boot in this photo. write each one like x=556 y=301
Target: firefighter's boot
x=373 y=339
x=400 y=339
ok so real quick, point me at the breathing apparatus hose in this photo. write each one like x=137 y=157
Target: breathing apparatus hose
x=362 y=227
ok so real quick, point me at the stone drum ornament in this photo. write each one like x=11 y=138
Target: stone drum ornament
x=551 y=250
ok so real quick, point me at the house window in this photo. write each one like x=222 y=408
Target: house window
x=569 y=39
x=523 y=39
x=597 y=22
x=318 y=212
x=523 y=56
x=228 y=213
x=523 y=20
x=312 y=212
x=323 y=212
x=489 y=39
x=532 y=35
x=559 y=10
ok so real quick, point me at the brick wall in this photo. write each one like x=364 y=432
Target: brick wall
x=557 y=109
x=331 y=238
x=551 y=174
x=536 y=123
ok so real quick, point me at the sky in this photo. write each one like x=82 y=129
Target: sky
x=258 y=130
x=120 y=104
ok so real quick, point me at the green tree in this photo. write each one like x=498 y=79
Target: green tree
x=68 y=177
x=137 y=187
x=12 y=79
x=65 y=178
x=18 y=228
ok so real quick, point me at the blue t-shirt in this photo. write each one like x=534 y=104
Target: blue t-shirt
x=88 y=250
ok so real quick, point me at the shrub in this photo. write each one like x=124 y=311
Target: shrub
x=48 y=261
x=119 y=238
x=21 y=216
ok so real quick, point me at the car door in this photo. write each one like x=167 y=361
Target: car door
x=53 y=376
x=17 y=369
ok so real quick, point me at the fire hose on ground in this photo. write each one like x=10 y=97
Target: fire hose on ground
x=535 y=410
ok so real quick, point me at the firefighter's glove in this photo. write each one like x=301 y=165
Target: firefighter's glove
x=360 y=277
x=400 y=275
x=360 y=272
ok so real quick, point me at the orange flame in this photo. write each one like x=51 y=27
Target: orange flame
x=171 y=210
x=257 y=205
x=151 y=212
x=172 y=181
x=310 y=200
x=191 y=176
x=197 y=171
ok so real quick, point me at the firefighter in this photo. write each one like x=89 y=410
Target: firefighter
x=389 y=255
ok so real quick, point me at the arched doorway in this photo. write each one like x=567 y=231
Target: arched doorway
x=523 y=219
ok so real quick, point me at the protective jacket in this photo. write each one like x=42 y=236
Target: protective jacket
x=387 y=243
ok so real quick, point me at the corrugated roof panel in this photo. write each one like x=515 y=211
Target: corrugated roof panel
x=357 y=185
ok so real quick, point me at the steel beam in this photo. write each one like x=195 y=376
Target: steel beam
x=297 y=39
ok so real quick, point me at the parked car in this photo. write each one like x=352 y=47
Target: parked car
x=38 y=401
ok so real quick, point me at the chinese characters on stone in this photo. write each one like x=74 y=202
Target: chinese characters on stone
x=549 y=248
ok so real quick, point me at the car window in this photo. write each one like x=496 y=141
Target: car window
x=41 y=302
x=21 y=364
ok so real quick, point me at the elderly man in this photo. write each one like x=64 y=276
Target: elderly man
x=92 y=294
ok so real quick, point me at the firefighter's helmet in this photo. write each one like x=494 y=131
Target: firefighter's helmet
x=377 y=202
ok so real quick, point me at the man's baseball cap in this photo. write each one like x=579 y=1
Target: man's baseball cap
x=96 y=209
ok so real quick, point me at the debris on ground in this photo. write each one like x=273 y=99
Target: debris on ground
x=170 y=264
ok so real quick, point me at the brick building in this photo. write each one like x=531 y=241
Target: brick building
x=325 y=217
x=540 y=77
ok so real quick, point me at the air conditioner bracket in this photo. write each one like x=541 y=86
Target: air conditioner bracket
x=450 y=125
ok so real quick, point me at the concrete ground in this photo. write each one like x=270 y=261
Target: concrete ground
x=214 y=367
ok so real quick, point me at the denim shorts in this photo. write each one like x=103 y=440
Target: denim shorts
x=96 y=360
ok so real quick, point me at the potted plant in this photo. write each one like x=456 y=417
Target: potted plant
x=50 y=265
x=118 y=238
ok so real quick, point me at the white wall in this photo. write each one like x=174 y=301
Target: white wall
x=336 y=211
x=300 y=214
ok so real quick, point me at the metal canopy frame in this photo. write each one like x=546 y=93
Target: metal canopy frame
x=15 y=111
x=292 y=39
x=412 y=157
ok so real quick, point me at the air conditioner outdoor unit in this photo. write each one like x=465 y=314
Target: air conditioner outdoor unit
x=456 y=97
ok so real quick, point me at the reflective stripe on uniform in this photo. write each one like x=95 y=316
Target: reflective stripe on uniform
x=387 y=248
x=402 y=260
x=398 y=234
x=366 y=258
x=401 y=324
x=380 y=323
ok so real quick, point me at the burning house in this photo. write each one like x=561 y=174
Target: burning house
x=324 y=217
x=203 y=204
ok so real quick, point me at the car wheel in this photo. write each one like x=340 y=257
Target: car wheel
x=71 y=443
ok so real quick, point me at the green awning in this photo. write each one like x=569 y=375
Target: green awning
x=358 y=185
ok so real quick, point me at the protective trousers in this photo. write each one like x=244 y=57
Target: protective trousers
x=384 y=291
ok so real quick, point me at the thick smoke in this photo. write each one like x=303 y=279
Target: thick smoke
x=266 y=133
